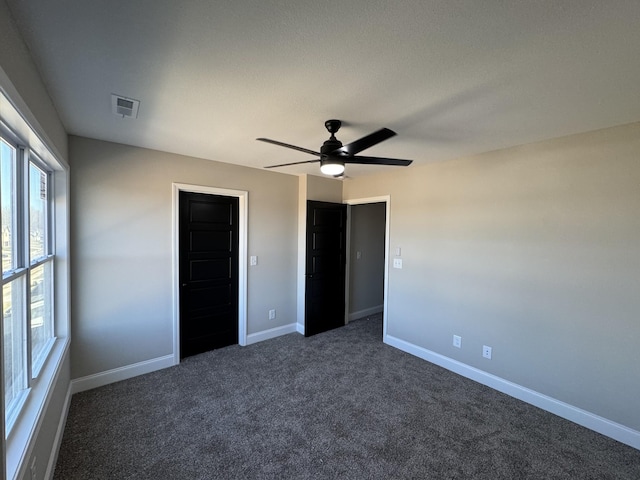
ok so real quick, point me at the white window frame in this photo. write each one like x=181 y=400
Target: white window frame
x=23 y=159
x=19 y=126
x=11 y=411
x=49 y=257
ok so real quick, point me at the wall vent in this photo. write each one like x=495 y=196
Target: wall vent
x=124 y=107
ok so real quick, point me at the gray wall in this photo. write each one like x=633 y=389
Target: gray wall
x=322 y=189
x=534 y=251
x=121 y=230
x=366 y=274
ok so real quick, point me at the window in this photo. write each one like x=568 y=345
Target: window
x=41 y=271
x=27 y=271
x=34 y=306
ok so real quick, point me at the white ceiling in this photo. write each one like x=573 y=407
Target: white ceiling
x=452 y=78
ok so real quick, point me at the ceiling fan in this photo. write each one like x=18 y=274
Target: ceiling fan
x=333 y=155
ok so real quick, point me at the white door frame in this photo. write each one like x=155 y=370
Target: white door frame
x=243 y=204
x=386 y=199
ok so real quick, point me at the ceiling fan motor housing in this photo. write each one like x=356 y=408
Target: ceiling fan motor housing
x=330 y=145
x=330 y=164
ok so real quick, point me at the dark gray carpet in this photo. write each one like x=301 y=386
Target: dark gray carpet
x=338 y=405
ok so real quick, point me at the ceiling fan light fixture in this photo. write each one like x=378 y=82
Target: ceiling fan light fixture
x=332 y=167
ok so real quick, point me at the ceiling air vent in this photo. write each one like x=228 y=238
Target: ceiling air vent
x=124 y=107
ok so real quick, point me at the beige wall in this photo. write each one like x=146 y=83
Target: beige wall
x=122 y=258
x=323 y=189
x=534 y=251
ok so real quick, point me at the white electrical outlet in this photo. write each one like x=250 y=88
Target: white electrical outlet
x=457 y=341
x=253 y=260
x=486 y=352
x=397 y=263
x=272 y=314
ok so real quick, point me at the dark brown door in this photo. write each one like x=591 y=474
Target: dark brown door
x=208 y=272
x=325 y=266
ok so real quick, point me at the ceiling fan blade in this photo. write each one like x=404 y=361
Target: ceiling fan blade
x=377 y=161
x=294 y=163
x=286 y=145
x=366 y=142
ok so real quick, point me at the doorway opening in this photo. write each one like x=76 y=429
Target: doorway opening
x=367 y=259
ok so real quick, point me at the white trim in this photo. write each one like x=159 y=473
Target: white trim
x=271 y=333
x=243 y=205
x=57 y=440
x=301 y=278
x=347 y=268
x=366 y=312
x=300 y=328
x=121 y=373
x=587 y=419
x=387 y=229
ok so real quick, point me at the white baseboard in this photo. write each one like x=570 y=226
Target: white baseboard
x=271 y=333
x=300 y=328
x=366 y=312
x=589 y=420
x=148 y=366
x=122 y=373
x=57 y=440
